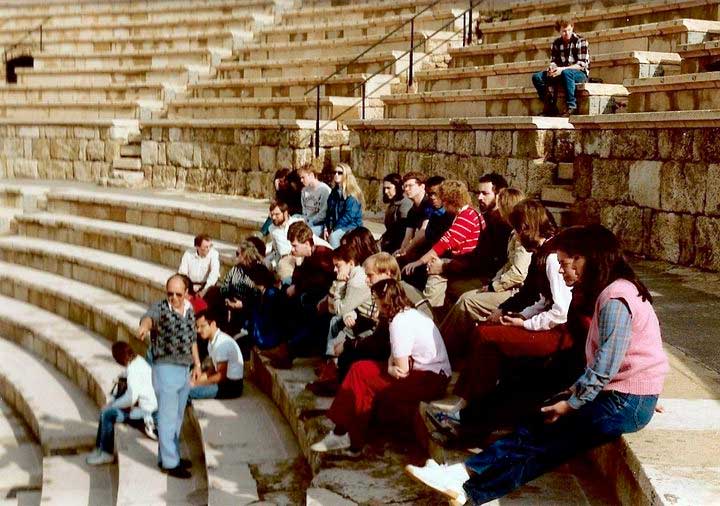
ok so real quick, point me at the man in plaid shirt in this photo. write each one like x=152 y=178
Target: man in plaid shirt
x=569 y=65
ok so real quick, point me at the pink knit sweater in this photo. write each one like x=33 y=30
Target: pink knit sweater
x=645 y=365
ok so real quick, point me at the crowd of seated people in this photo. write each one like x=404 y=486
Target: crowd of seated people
x=488 y=287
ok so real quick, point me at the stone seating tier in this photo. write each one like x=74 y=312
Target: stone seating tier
x=601 y=19
x=430 y=20
x=344 y=85
x=612 y=68
x=149 y=244
x=22 y=463
x=666 y=36
x=68 y=480
x=525 y=9
x=121 y=92
x=284 y=108
x=391 y=62
x=203 y=56
x=674 y=93
x=173 y=75
x=350 y=46
x=80 y=111
x=354 y=12
x=592 y=99
x=697 y=57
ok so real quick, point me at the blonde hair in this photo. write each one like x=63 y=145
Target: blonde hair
x=455 y=194
x=350 y=186
x=507 y=199
x=383 y=263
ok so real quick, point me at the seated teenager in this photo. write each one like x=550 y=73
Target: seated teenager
x=475 y=306
x=398 y=207
x=224 y=379
x=311 y=282
x=418 y=369
x=344 y=205
x=460 y=239
x=413 y=184
x=536 y=330
x=363 y=241
x=265 y=329
x=138 y=403
x=625 y=372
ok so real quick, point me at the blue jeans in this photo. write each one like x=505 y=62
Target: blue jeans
x=568 y=79
x=171 y=388
x=229 y=389
x=317 y=229
x=535 y=449
x=335 y=236
x=336 y=325
x=105 y=439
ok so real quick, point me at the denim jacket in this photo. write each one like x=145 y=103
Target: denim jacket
x=344 y=213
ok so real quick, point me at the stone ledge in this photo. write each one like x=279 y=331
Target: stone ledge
x=669 y=119
x=292 y=124
x=673 y=83
x=496 y=123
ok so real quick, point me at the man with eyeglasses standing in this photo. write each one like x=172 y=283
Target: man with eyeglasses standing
x=173 y=349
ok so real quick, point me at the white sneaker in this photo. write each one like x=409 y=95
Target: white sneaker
x=445 y=479
x=150 y=431
x=99 y=457
x=332 y=442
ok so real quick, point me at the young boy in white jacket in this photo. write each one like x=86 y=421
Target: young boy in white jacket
x=137 y=403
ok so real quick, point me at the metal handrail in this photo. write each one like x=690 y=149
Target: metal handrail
x=25 y=36
x=467 y=39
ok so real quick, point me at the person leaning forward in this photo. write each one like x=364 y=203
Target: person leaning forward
x=173 y=348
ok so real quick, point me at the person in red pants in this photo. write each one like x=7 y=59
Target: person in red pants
x=418 y=369
x=538 y=330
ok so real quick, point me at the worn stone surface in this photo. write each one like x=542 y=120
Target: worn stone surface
x=610 y=180
x=682 y=187
x=630 y=224
x=644 y=183
x=671 y=237
x=707 y=246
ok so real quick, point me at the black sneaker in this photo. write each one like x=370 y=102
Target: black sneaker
x=178 y=472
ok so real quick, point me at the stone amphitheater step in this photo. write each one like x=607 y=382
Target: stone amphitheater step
x=195 y=23
x=525 y=9
x=592 y=99
x=338 y=28
x=21 y=467
x=164 y=247
x=611 y=68
x=18 y=94
x=341 y=85
x=227 y=221
x=78 y=111
x=109 y=60
x=8 y=225
x=240 y=435
x=392 y=62
x=425 y=41
x=354 y=12
x=697 y=57
x=685 y=92
x=302 y=107
x=135 y=279
x=173 y=75
x=666 y=36
x=601 y=19
x=163 y=11
x=60 y=415
x=67 y=479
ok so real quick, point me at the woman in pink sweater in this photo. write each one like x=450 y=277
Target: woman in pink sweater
x=617 y=393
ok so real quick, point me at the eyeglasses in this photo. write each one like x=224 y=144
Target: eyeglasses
x=339 y=172
x=174 y=294
x=237 y=253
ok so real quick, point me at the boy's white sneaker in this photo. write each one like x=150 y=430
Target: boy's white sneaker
x=332 y=442
x=150 y=431
x=99 y=457
x=445 y=479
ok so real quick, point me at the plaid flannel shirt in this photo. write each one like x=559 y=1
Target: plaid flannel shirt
x=614 y=324
x=576 y=52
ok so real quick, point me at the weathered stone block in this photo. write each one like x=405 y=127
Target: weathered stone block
x=635 y=144
x=60 y=169
x=82 y=171
x=532 y=143
x=501 y=143
x=463 y=143
x=675 y=144
x=707 y=246
x=539 y=174
x=583 y=172
x=85 y=133
x=644 y=183
x=13 y=148
x=64 y=149
x=112 y=150
x=712 y=198
x=51 y=132
x=302 y=157
x=710 y=144
x=564 y=146
x=245 y=137
x=610 y=180
x=483 y=142
x=443 y=141
x=683 y=187
x=95 y=150
x=267 y=156
x=630 y=225
x=597 y=142
x=174 y=134
x=23 y=168
x=41 y=149
x=28 y=131
x=149 y=152
x=406 y=139
x=517 y=173
x=157 y=134
x=213 y=156
x=332 y=138
x=671 y=237
x=181 y=154
x=427 y=140
x=195 y=180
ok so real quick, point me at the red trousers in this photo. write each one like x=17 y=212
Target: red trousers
x=491 y=344
x=368 y=385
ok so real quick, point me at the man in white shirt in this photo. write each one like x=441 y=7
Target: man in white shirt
x=313 y=198
x=224 y=380
x=279 y=258
x=201 y=265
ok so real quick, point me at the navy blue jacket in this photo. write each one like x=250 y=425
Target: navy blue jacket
x=343 y=213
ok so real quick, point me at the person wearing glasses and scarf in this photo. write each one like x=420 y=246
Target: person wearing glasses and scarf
x=344 y=205
x=173 y=349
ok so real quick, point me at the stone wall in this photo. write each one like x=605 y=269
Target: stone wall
x=59 y=151
x=236 y=159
